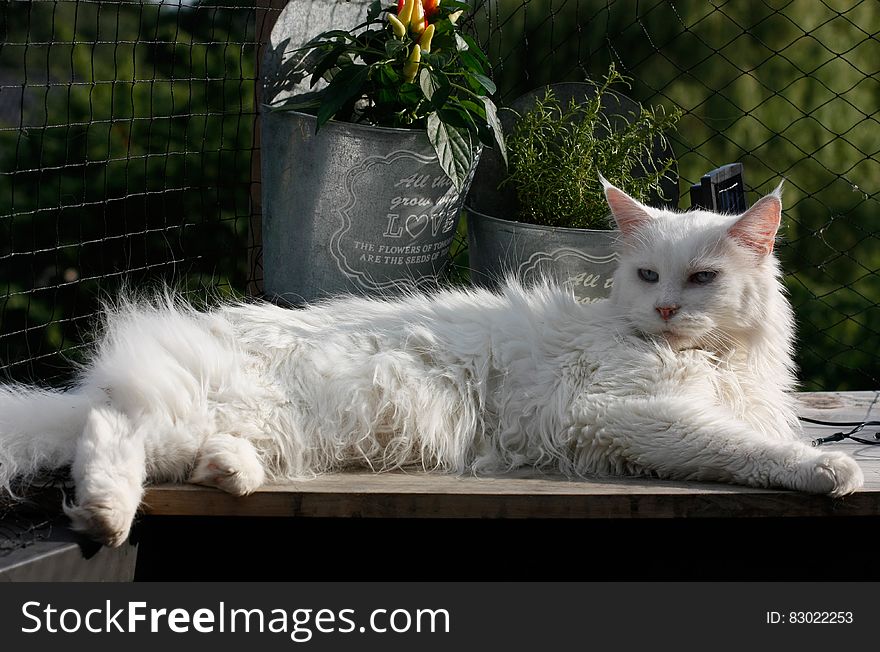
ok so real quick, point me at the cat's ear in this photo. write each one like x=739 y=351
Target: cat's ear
x=757 y=227
x=629 y=214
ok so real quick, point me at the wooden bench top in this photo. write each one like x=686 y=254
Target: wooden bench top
x=527 y=494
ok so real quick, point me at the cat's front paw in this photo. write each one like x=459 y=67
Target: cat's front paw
x=835 y=474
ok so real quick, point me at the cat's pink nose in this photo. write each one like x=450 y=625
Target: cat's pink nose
x=666 y=312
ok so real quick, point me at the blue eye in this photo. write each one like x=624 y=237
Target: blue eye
x=701 y=278
x=649 y=275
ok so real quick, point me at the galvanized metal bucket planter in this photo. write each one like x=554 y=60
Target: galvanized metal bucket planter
x=582 y=259
x=352 y=209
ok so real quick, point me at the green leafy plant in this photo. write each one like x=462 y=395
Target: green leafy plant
x=407 y=66
x=556 y=154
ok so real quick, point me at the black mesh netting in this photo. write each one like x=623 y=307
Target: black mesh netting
x=126 y=138
x=128 y=151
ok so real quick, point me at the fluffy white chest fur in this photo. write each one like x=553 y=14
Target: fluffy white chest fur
x=683 y=373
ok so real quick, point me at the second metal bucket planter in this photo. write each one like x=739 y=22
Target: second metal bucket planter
x=352 y=209
x=581 y=259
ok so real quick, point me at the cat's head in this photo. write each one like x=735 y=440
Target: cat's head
x=698 y=279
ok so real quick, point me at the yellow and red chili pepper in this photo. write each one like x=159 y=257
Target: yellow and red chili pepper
x=412 y=16
x=415 y=13
x=425 y=39
x=419 y=21
x=411 y=67
x=397 y=27
x=431 y=7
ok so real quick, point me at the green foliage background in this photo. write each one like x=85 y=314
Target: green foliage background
x=125 y=156
x=126 y=143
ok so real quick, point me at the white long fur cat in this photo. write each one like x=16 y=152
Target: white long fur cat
x=682 y=373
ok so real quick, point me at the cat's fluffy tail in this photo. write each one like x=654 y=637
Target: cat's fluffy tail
x=38 y=430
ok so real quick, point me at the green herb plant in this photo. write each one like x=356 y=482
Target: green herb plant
x=407 y=65
x=557 y=153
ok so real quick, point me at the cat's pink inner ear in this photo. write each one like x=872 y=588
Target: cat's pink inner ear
x=757 y=228
x=628 y=213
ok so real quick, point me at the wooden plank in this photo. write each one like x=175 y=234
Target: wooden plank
x=529 y=494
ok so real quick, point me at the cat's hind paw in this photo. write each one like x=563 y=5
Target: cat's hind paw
x=229 y=463
x=835 y=474
x=106 y=523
